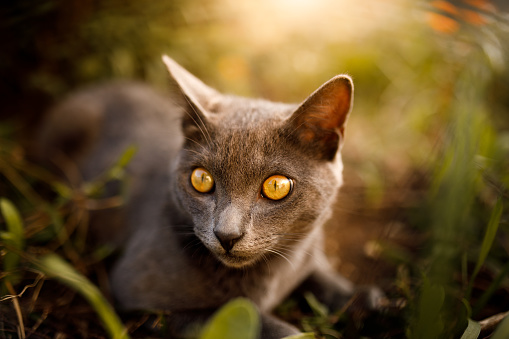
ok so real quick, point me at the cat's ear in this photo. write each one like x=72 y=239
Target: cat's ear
x=196 y=96
x=319 y=122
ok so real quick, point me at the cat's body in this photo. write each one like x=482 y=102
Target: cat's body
x=188 y=251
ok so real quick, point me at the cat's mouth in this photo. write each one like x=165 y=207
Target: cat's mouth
x=234 y=258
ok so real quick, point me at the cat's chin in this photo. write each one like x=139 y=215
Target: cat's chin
x=234 y=261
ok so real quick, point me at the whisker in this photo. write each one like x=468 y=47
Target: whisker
x=282 y=256
x=191 y=151
x=286 y=249
x=183 y=229
x=196 y=142
x=191 y=244
x=192 y=118
x=208 y=139
x=264 y=257
x=292 y=250
x=299 y=234
x=290 y=237
x=297 y=116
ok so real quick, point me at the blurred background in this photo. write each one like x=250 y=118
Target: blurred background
x=406 y=58
x=427 y=149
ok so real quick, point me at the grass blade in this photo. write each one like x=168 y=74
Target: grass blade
x=14 y=237
x=488 y=293
x=502 y=331
x=54 y=266
x=115 y=172
x=429 y=323
x=319 y=309
x=472 y=331
x=487 y=242
x=301 y=336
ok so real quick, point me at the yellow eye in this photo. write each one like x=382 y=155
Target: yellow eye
x=276 y=187
x=202 y=180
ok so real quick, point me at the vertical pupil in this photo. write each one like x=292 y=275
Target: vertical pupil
x=203 y=178
x=275 y=185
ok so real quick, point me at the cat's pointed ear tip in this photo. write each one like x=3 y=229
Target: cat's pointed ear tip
x=344 y=79
x=167 y=60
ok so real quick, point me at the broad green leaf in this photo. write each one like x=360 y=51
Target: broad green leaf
x=502 y=331
x=472 y=331
x=301 y=336
x=55 y=267
x=14 y=237
x=236 y=319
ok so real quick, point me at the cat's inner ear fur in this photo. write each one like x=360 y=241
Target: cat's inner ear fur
x=319 y=122
x=196 y=98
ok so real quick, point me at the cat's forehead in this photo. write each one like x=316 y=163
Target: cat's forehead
x=249 y=149
x=245 y=138
x=254 y=152
x=238 y=112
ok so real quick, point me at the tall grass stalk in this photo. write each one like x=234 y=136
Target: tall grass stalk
x=54 y=266
x=456 y=184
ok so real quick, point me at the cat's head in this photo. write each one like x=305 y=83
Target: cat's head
x=258 y=177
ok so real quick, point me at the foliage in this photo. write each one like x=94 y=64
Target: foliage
x=55 y=267
x=237 y=319
x=29 y=245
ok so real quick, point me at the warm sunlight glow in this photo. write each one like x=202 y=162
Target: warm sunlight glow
x=267 y=23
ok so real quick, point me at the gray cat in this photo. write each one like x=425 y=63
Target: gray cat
x=227 y=199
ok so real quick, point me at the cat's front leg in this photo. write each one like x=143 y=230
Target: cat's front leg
x=187 y=324
x=274 y=328
x=335 y=291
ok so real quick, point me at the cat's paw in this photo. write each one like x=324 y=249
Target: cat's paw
x=369 y=297
x=366 y=301
x=274 y=328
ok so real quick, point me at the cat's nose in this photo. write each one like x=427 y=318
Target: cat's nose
x=228 y=239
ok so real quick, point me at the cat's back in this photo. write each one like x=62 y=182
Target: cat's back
x=93 y=127
x=98 y=123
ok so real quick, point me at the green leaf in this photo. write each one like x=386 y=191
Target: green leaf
x=115 y=172
x=13 y=220
x=236 y=319
x=54 y=266
x=491 y=231
x=502 y=331
x=62 y=189
x=488 y=293
x=472 y=331
x=429 y=323
x=14 y=237
x=126 y=157
x=301 y=336
x=318 y=308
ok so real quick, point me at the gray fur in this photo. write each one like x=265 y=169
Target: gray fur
x=172 y=258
